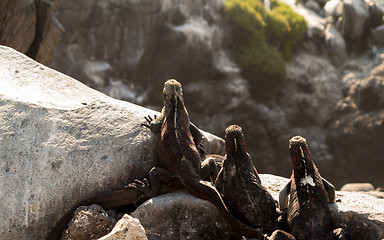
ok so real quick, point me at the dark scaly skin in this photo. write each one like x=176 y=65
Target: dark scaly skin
x=241 y=186
x=177 y=154
x=308 y=214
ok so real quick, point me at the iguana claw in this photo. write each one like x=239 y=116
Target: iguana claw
x=142 y=186
x=149 y=120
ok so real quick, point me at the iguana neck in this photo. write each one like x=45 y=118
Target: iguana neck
x=304 y=169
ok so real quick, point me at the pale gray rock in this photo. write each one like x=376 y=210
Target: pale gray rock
x=356 y=18
x=61 y=143
x=313 y=5
x=355 y=187
x=180 y=215
x=335 y=43
x=333 y=8
x=361 y=214
x=127 y=228
x=377 y=34
x=315 y=23
x=89 y=222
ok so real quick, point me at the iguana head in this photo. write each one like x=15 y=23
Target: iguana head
x=172 y=88
x=234 y=140
x=298 y=148
x=301 y=159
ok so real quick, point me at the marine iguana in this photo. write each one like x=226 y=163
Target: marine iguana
x=179 y=158
x=308 y=212
x=240 y=184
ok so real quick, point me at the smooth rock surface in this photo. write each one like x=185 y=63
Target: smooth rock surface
x=355 y=187
x=61 y=143
x=127 y=228
x=180 y=215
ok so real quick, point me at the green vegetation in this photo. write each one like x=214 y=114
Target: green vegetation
x=263 y=40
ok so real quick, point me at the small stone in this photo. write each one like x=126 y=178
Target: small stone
x=357 y=187
x=313 y=5
x=127 y=228
x=89 y=222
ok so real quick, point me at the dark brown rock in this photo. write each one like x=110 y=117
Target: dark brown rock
x=30 y=26
x=88 y=223
x=48 y=32
x=17 y=24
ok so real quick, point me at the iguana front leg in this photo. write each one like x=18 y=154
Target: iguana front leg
x=211 y=166
x=329 y=190
x=151 y=188
x=154 y=124
x=283 y=196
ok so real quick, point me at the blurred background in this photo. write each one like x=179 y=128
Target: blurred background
x=277 y=68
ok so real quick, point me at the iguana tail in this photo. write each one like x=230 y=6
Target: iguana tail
x=201 y=189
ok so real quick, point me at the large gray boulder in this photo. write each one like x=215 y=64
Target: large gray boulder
x=62 y=142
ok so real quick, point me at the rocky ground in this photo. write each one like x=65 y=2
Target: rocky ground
x=179 y=215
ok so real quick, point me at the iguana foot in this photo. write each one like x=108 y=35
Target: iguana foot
x=142 y=186
x=201 y=150
x=281 y=235
x=149 y=120
x=337 y=234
